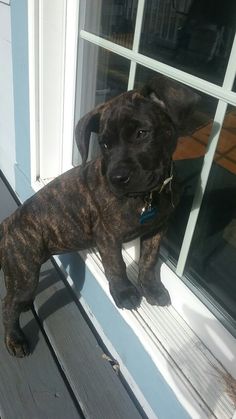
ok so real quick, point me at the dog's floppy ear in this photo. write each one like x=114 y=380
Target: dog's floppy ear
x=177 y=99
x=87 y=124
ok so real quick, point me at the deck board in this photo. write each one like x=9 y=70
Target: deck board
x=32 y=387
x=98 y=389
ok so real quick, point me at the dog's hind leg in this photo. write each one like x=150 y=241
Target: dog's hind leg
x=20 y=295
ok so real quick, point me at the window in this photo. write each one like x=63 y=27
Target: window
x=123 y=43
x=120 y=44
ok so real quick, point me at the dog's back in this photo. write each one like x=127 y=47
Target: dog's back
x=54 y=220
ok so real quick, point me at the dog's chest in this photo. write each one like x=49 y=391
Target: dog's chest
x=136 y=217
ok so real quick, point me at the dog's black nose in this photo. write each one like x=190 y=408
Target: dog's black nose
x=120 y=177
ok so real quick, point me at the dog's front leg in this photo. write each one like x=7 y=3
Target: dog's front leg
x=152 y=287
x=124 y=293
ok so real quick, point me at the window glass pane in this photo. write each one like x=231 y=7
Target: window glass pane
x=112 y=72
x=107 y=77
x=112 y=19
x=212 y=259
x=234 y=85
x=188 y=159
x=192 y=35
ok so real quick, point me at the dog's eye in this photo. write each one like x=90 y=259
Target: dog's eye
x=105 y=146
x=142 y=134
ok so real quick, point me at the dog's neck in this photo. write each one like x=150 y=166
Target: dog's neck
x=150 y=210
x=167 y=183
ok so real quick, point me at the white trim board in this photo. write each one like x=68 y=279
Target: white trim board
x=33 y=58
x=188 y=367
x=52 y=43
x=71 y=38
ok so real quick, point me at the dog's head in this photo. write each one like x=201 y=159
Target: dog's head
x=137 y=132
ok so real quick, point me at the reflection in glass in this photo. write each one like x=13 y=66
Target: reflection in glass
x=234 y=85
x=212 y=258
x=107 y=77
x=192 y=35
x=112 y=19
x=188 y=159
x=112 y=75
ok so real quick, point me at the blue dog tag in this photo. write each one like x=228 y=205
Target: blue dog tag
x=148 y=214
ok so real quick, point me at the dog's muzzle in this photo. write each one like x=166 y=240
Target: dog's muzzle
x=120 y=177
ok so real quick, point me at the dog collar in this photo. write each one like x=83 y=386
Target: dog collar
x=166 y=182
x=149 y=211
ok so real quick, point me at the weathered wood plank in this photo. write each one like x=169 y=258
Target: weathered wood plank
x=94 y=382
x=32 y=387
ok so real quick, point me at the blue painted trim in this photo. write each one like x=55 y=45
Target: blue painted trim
x=23 y=187
x=19 y=33
x=150 y=381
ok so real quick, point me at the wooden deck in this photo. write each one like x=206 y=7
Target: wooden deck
x=67 y=375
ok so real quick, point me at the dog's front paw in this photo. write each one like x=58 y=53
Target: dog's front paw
x=155 y=293
x=17 y=345
x=125 y=295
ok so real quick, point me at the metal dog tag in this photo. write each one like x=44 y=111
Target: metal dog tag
x=147 y=214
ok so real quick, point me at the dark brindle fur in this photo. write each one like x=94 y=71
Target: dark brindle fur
x=99 y=203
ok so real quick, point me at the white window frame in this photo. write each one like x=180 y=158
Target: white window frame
x=222 y=93
x=51 y=154
x=52 y=46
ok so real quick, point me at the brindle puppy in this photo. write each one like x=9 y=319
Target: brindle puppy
x=127 y=193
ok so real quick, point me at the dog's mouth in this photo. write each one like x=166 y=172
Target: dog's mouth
x=137 y=186
x=153 y=184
